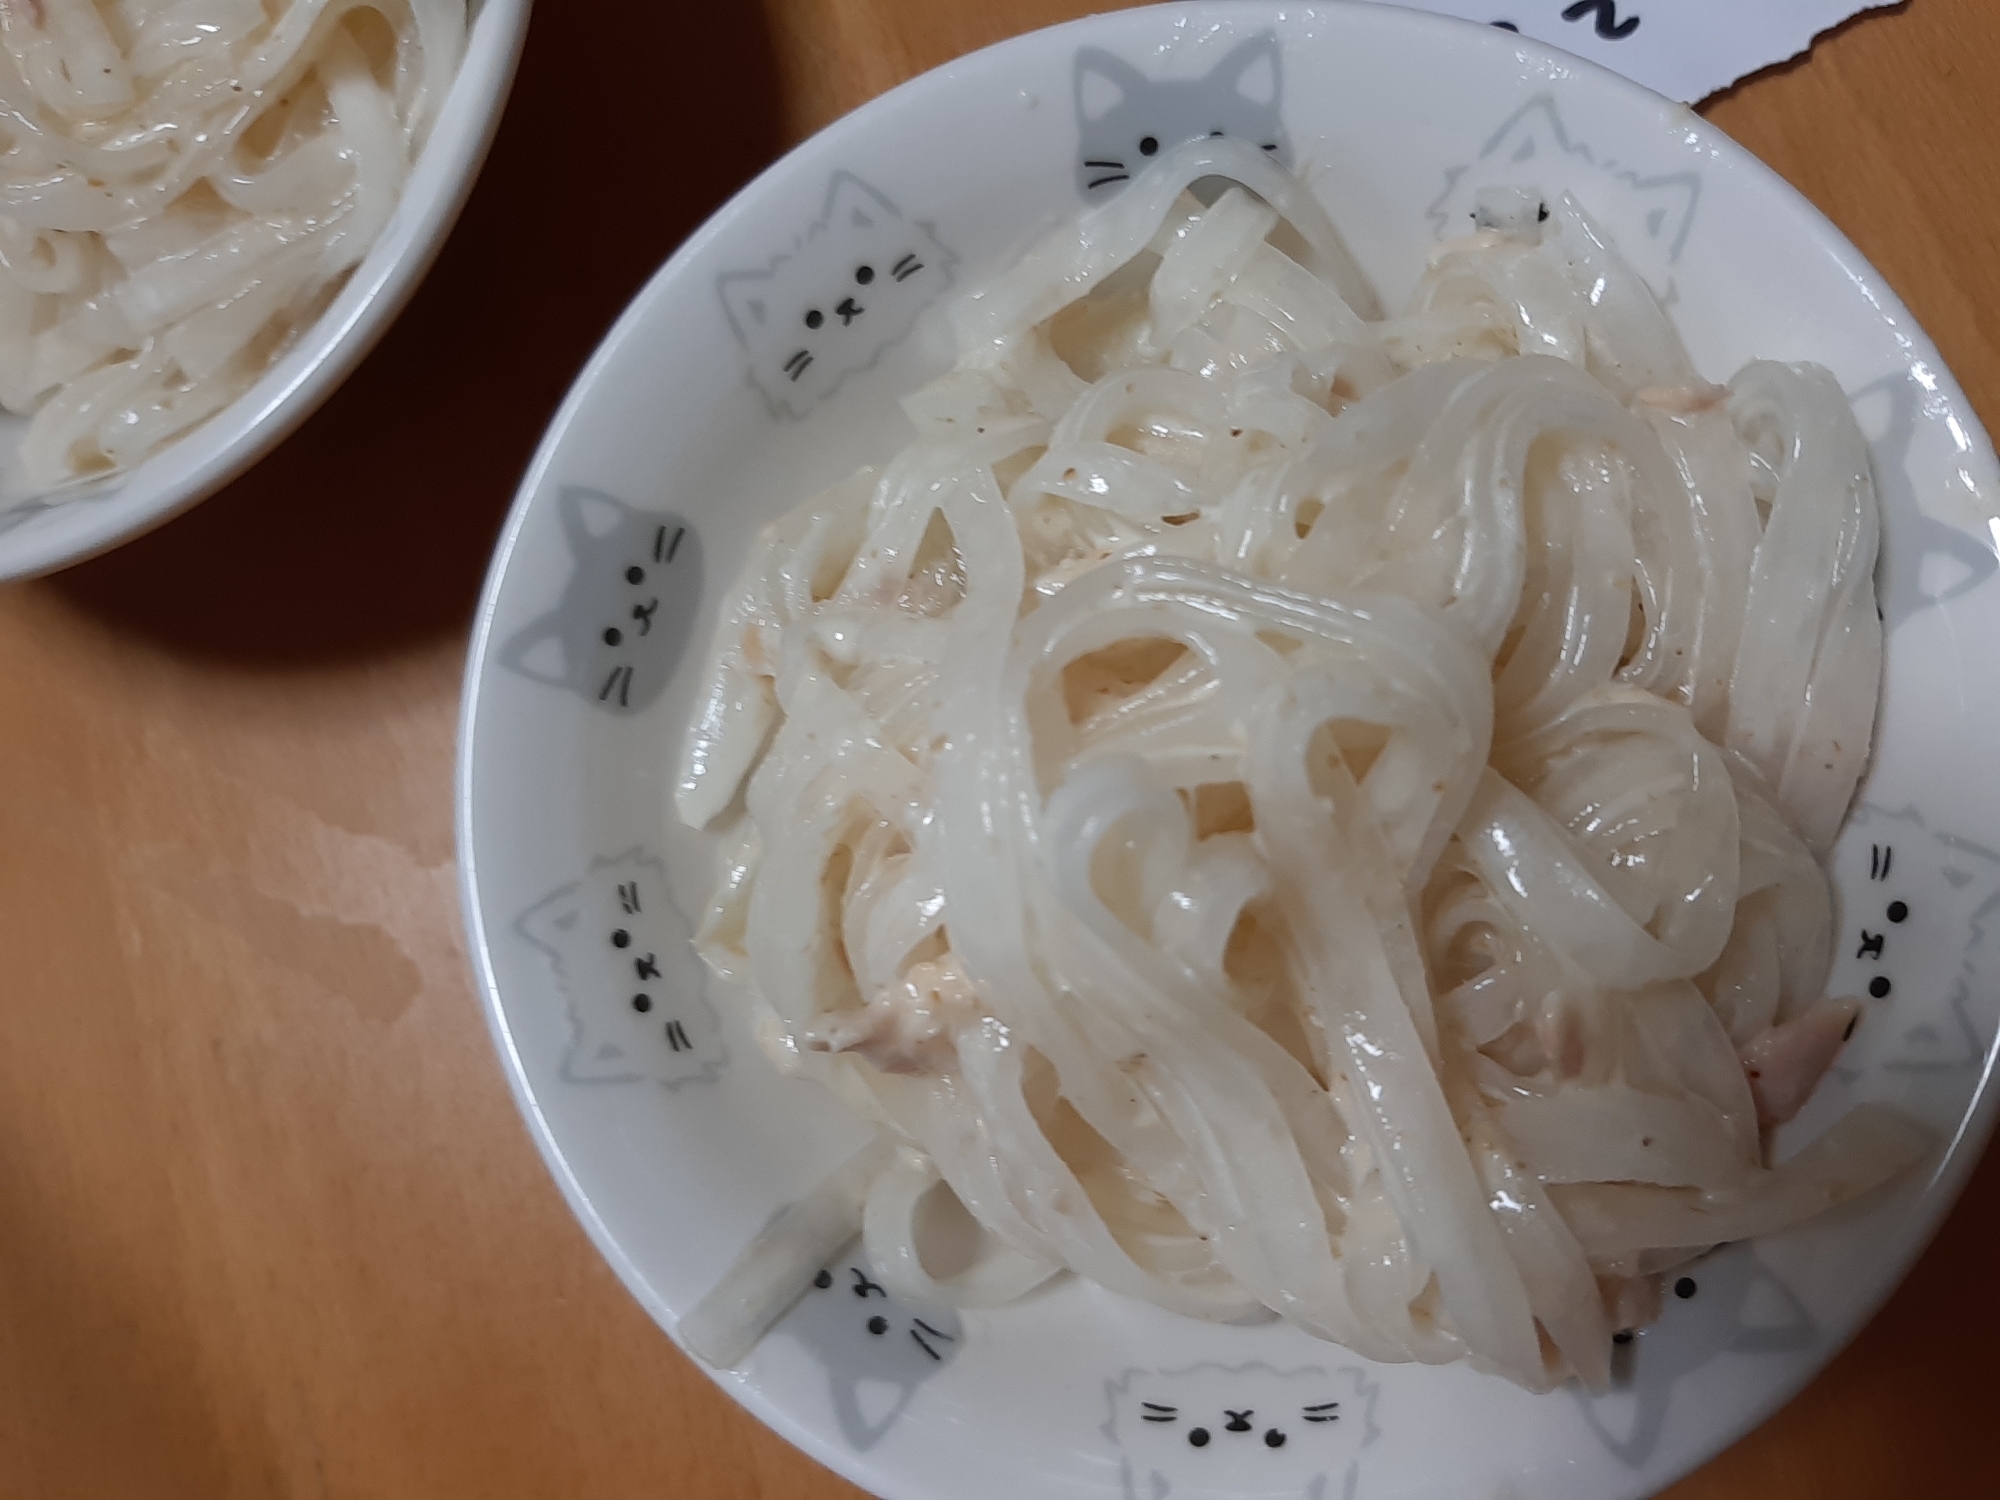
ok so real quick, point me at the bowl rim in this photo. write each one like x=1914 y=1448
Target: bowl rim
x=1962 y=1154
x=232 y=442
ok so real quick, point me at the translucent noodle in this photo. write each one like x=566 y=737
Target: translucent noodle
x=184 y=185
x=1286 y=811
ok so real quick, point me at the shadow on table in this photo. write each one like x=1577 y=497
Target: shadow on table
x=370 y=529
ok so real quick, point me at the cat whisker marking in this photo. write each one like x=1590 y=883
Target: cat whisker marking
x=675 y=544
x=796 y=365
x=1115 y=165
x=926 y=1347
x=1115 y=177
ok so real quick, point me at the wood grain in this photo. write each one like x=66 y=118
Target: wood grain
x=269 y=1225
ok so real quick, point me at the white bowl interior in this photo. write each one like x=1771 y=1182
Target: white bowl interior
x=684 y=435
x=39 y=536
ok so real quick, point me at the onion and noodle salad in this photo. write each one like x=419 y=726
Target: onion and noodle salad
x=185 y=184
x=1287 y=811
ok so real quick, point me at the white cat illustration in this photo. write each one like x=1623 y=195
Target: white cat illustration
x=1245 y=1432
x=1651 y=214
x=851 y=285
x=1920 y=937
x=624 y=959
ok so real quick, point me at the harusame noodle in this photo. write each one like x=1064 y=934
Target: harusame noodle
x=1283 y=810
x=184 y=185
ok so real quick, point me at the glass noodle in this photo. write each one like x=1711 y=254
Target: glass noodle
x=1282 y=810
x=185 y=184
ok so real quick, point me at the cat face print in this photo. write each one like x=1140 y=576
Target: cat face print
x=1125 y=118
x=623 y=958
x=1650 y=214
x=851 y=286
x=877 y=1349
x=1728 y=1302
x=1920 y=938
x=1240 y=1431
x=617 y=631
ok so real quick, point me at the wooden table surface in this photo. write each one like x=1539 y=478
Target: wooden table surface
x=269 y=1224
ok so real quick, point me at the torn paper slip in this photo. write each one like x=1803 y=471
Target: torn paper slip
x=1685 y=49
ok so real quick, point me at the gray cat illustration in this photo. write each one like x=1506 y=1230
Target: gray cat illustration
x=876 y=1349
x=851 y=286
x=1123 y=117
x=617 y=632
x=1917 y=550
x=1729 y=1302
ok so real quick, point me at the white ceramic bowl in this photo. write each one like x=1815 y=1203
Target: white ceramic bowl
x=675 y=1140
x=38 y=538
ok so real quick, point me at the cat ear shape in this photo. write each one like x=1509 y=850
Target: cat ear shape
x=746 y=298
x=1668 y=210
x=588 y=516
x=1534 y=132
x=549 y=925
x=1967 y=561
x=1103 y=81
x=853 y=204
x=1783 y=1324
x=1253 y=69
x=536 y=651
